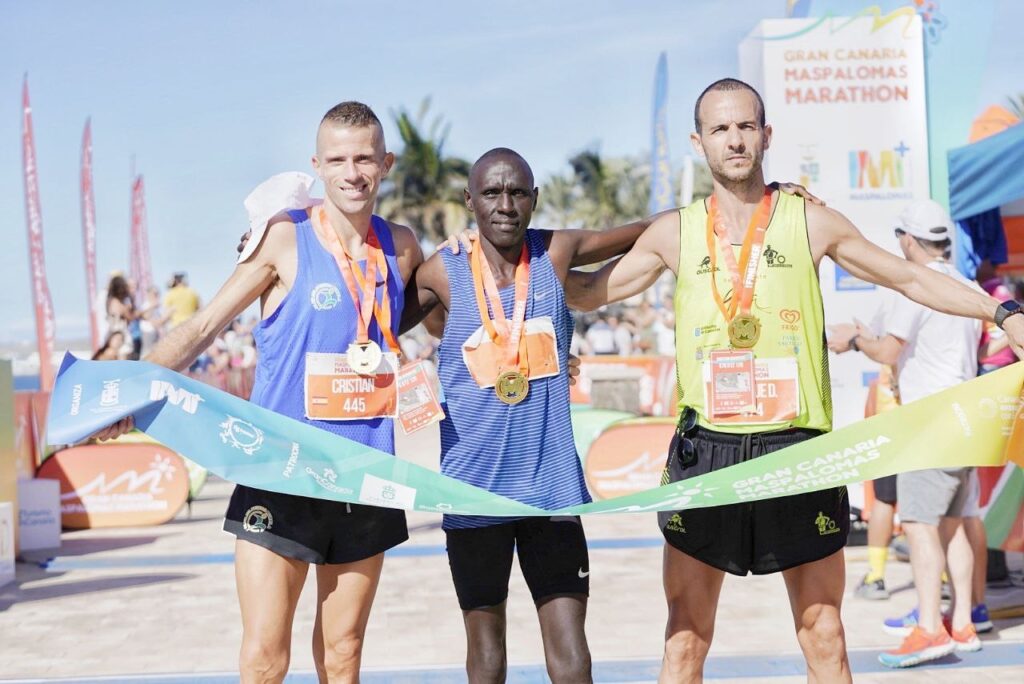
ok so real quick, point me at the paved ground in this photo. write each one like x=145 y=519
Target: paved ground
x=138 y=602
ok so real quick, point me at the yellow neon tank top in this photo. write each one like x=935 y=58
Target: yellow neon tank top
x=787 y=300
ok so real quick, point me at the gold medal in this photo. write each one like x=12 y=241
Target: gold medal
x=511 y=387
x=364 y=358
x=744 y=331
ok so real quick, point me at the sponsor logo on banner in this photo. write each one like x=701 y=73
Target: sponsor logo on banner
x=328 y=479
x=820 y=471
x=183 y=399
x=76 y=399
x=628 y=457
x=880 y=173
x=242 y=435
x=258 y=519
x=110 y=396
x=325 y=296
x=377 y=491
x=810 y=169
x=293 y=459
x=117 y=485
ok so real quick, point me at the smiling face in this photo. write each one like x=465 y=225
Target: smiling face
x=351 y=161
x=731 y=136
x=502 y=197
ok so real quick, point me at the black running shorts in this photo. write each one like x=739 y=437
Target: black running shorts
x=885 y=489
x=313 y=530
x=552 y=555
x=759 y=537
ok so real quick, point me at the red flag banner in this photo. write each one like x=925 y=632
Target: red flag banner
x=89 y=236
x=37 y=265
x=139 y=257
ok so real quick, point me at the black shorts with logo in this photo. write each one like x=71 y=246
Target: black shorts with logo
x=313 y=530
x=552 y=555
x=760 y=537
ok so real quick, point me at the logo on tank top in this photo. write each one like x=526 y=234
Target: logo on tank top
x=705 y=266
x=325 y=296
x=774 y=258
x=257 y=519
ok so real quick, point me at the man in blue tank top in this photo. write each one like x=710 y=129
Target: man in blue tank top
x=507 y=427
x=307 y=270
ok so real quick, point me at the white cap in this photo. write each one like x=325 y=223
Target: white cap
x=926 y=219
x=276 y=194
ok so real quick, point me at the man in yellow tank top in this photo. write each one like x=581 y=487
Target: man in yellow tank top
x=753 y=376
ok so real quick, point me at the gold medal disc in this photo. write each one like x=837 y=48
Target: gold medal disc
x=744 y=331
x=511 y=387
x=364 y=358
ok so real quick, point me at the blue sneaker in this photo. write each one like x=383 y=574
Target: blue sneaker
x=901 y=626
x=979 y=616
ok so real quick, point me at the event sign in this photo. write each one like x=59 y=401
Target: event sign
x=38 y=514
x=847 y=104
x=7 y=525
x=118 y=485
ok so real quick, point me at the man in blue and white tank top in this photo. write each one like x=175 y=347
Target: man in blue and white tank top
x=296 y=267
x=518 y=444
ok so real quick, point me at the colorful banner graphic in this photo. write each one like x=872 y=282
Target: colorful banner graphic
x=45 y=326
x=89 y=236
x=967 y=425
x=661 y=166
x=139 y=261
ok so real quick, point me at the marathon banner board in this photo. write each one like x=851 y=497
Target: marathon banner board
x=968 y=425
x=7 y=527
x=657 y=384
x=38 y=514
x=118 y=485
x=846 y=101
x=628 y=457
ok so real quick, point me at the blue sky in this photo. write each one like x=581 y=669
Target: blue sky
x=212 y=97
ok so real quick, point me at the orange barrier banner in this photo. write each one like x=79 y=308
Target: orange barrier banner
x=115 y=485
x=657 y=386
x=628 y=457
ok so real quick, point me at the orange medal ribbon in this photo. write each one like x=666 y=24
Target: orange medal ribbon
x=366 y=305
x=744 y=273
x=508 y=336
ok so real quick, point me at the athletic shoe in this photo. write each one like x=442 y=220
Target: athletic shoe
x=902 y=625
x=946 y=593
x=966 y=639
x=919 y=647
x=980 y=619
x=872 y=591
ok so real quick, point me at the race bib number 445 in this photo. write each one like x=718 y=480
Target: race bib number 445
x=336 y=392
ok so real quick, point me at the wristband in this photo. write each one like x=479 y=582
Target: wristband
x=853 y=343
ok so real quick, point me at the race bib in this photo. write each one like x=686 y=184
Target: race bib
x=776 y=392
x=483 y=358
x=418 y=404
x=334 y=391
x=733 y=388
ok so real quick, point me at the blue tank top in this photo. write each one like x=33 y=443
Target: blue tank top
x=318 y=315
x=526 y=451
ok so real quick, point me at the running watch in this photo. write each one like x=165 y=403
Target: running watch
x=1007 y=309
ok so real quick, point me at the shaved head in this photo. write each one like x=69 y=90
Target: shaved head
x=496 y=156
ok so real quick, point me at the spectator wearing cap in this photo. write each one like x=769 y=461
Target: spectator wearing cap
x=181 y=302
x=931 y=351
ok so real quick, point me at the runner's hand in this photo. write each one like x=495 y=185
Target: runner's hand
x=466 y=239
x=574 y=368
x=243 y=240
x=799 y=191
x=121 y=427
x=839 y=337
x=1014 y=328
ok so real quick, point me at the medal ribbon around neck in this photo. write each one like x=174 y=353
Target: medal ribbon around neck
x=508 y=336
x=750 y=254
x=366 y=305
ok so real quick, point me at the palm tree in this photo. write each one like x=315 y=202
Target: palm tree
x=424 y=190
x=1017 y=104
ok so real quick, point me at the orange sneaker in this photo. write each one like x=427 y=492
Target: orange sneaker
x=919 y=647
x=966 y=639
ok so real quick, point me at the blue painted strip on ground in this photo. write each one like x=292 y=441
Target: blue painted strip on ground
x=995 y=654
x=59 y=564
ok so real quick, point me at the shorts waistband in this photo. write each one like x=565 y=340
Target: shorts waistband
x=771 y=438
